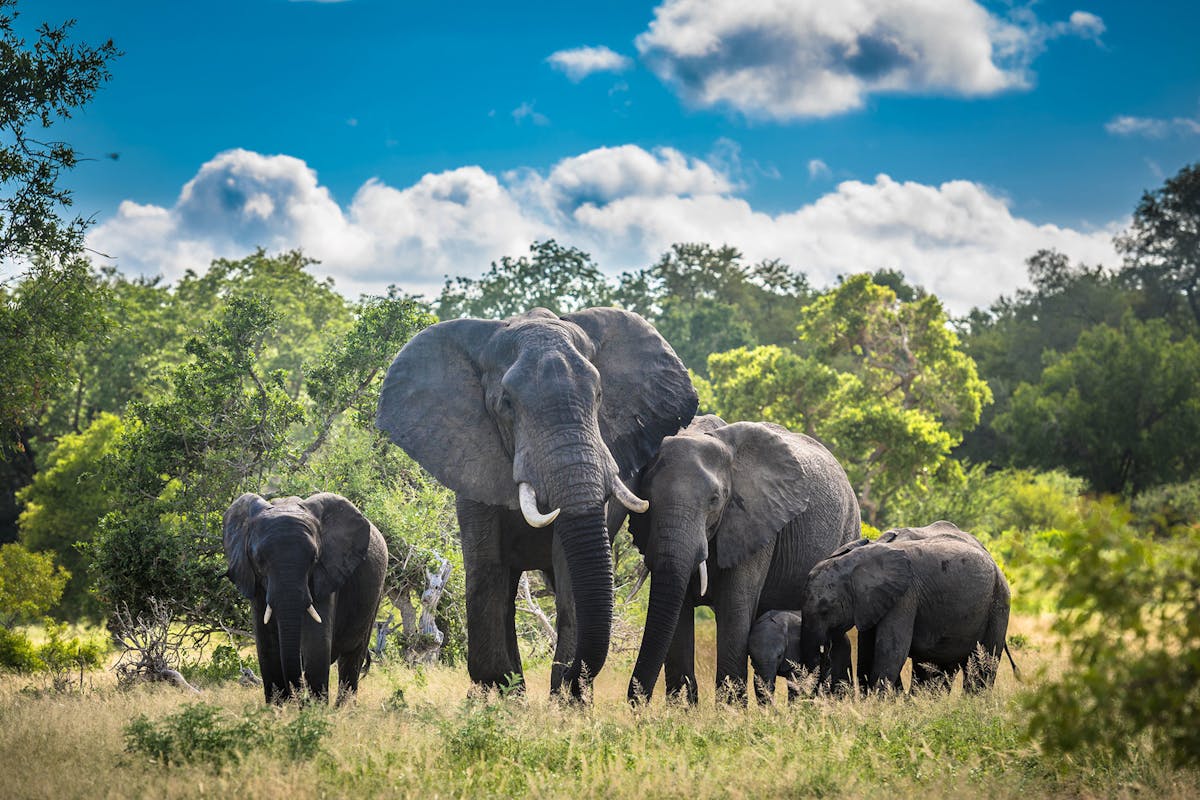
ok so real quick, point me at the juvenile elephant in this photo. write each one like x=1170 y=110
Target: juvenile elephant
x=775 y=652
x=924 y=675
x=536 y=421
x=934 y=598
x=314 y=570
x=738 y=516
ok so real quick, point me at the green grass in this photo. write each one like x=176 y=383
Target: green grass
x=416 y=733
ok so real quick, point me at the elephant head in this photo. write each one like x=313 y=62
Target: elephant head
x=854 y=587
x=547 y=414
x=715 y=496
x=290 y=556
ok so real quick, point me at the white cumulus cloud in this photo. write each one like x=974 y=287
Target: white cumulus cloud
x=802 y=58
x=625 y=205
x=580 y=62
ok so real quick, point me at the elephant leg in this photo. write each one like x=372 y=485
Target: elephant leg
x=492 y=659
x=980 y=674
x=680 y=665
x=316 y=641
x=932 y=677
x=512 y=685
x=266 y=643
x=893 y=638
x=866 y=660
x=736 y=607
x=350 y=666
x=840 y=681
x=564 y=606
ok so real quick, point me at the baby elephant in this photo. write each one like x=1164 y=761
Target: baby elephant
x=934 y=597
x=314 y=570
x=774 y=652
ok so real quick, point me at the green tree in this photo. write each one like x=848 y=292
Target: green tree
x=1120 y=409
x=704 y=300
x=221 y=427
x=30 y=584
x=562 y=279
x=1010 y=339
x=883 y=383
x=44 y=319
x=1162 y=246
x=64 y=504
x=43 y=83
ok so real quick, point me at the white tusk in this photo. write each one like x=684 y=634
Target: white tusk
x=703 y=578
x=628 y=498
x=643 y=571
x=267 y=615
x=530 y=510
x=312 y=612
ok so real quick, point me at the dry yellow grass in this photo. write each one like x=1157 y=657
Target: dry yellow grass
x=435 y=743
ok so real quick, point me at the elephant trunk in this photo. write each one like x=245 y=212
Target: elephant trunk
x=289 y=622
x=668 y=587
x=584 y=540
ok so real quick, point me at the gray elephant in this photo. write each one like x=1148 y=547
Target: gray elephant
x=314 y=570
x=924 y=675
x=535 y=421
x=775 y=652
x=738 y=516
x=932 y=596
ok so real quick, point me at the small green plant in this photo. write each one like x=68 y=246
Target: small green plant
x=207 y=734
x=200 y=733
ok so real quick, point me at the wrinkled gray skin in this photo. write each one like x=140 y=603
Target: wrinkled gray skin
x=759 y=505
x=924 y=676
x=568 y=405
x=926 y=595
x=290 y=554
x=775 y=652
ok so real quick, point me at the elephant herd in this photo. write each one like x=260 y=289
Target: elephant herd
x=551 y=431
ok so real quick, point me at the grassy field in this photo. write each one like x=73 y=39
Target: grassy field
x=413 y=733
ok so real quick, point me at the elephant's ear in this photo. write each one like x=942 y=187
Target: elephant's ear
x=432 y=405
x=879 y=576
x=345 y=537
x=235 y=536
x=772 y=483
x=647 y=394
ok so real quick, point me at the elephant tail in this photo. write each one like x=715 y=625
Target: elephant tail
x=1015 y=668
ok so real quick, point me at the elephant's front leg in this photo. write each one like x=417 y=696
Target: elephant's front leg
x=266 y=642
x=736 y=607
x=893 y=639
x=866 y=659
x=492 y=657
x=680 y=666
x=316 y=643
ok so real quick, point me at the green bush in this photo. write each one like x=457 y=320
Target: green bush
x=225 y=664
x=201 y=733
x=17 y=653
x=1128 y=616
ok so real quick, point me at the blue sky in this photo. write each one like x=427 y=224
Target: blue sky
x=398 y=143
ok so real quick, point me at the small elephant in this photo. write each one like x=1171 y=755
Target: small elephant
x=314 y=570
x=738 y=516
x=775 y=652
x=934 y=597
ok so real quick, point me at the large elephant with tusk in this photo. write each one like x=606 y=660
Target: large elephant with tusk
x=536 y=422
x=738 y=516
x=314 y=572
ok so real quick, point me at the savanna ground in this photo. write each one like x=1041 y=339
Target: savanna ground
x=414 y=732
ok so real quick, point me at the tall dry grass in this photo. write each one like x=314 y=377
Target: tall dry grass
x=414 y=733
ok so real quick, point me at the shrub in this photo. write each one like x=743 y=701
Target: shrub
x=17 y=653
